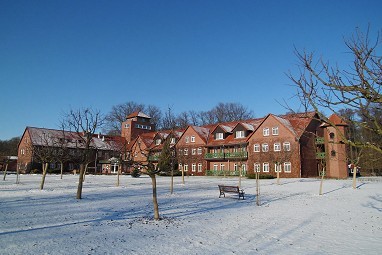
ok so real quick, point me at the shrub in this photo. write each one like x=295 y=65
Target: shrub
x=262 y=176
x=135 y=173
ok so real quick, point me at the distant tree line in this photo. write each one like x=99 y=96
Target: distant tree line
x=222 y=112
x=9 y=147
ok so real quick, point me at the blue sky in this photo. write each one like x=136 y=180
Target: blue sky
x=187 y=55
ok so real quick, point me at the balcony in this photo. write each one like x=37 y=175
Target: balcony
x=219 y=155
x=319 y=140
x=154 y=158
x=320 y=155
x=232 y=155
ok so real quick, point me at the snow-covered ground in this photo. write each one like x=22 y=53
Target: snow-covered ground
x=292 y=218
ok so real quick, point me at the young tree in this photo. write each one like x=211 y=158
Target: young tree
x=326 y=87
x=83 y=123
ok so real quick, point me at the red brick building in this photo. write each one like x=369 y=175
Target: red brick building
x=296 y=145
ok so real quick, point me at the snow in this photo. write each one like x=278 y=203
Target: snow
x=292 y=218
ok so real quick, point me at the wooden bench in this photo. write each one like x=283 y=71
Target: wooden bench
x=230 y=189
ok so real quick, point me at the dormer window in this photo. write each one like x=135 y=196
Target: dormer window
x=240 y=134
x=187 y=139
x=157 y=141
x=275 y=131
x=219 y=136
x=172 y=141
x=265 y=131
x=192 y=139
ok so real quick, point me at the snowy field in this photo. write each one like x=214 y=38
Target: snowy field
x=292 y=218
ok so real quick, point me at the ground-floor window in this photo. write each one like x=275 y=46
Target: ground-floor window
x=193 y=167
x=200 y=167
x=221 y=167
x=256 y=167
x=215 y=167
x=287 y=167
x=266 y=167
x=185 y=167
x=180 y=167
x=278 y=168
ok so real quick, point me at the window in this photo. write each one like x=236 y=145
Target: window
x=287 y=167
x=286 y=146
x=185 y=151
x=180 y=151
x=193 y=151
x=200 y=169
x=157 y=141
x=185 y=168
x=219 y=136
x=265 y=147
x=235 y=167
x=256 y=147
x=200 y=151
x=172 y=141
x=275 y=131
x=240 y=134
x=277 y=168
x=277 y=147
x=193 y=167
x=331 y=135
x=215 y=167
x=192 y=139
x=187 y=139
x=52 y=165
x=256 y=167
x=244 y=168
x=22 y=151
x=180 y=167
x=127 y=125
x=222 y=167
x=266 y=167
x=265 y=131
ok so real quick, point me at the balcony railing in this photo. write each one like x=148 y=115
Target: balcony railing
x=225 y=172
x=320 y=155
x=241 y=154
x=219 y=155
x=320 y=140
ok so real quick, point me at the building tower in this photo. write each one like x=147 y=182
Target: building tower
x=336 y=157
x=135 y=124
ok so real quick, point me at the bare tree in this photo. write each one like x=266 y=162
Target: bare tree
x=326 y=87
x=83 y=123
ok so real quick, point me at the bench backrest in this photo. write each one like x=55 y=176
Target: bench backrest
x=229 y=188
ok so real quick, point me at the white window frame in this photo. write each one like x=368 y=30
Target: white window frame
x=277 y=147
x=187 y=139
x=266 y=131
x=200 y=151
x=192 y=138
x=193 y=151
x=256 y=167
x=200 y=167
x=193 y=167
x=221 y=167
x=157 y=141
x=180 y=167
x=235 y=167
x=172 y=141
x=286 y=146
x=186 y=152
x=185 y=168
x=215 y=167
x=280 y=168
x=275 y=131
x=219 y=136
x=256 y=147
x=264 y=147
x=266 y=167
x=287 y=167
x=240 y=134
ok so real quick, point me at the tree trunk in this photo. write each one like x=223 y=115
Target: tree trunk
x=172 y=182
x=278 y=174
x=239 y=178
x=354 y=177
x=80 y=181
x=155 y=199
x=118 y=174
x=5 y=171
x=257 y=189
x=44 y=171
x=322 y=180
x=62 y=169
x=17 y=175
x=182 y=176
